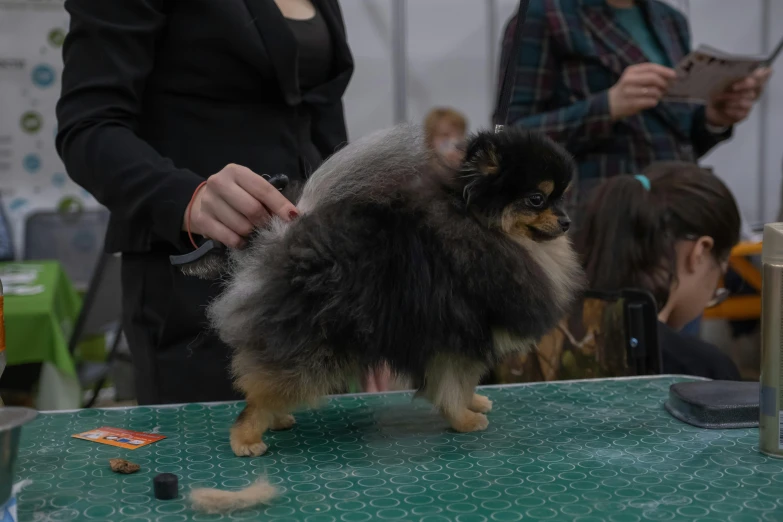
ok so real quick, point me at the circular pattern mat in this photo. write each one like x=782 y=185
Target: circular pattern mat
x=580 y=451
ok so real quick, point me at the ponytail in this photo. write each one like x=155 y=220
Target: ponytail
x=623 y=241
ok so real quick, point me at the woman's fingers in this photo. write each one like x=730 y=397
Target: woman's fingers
x=368 y=384
x=666 y=73
x=220 y=210
x=383 y=378
x=649 y=81
x=245 y=204
x=639 y=91
x=216 y=230
x=265 y=193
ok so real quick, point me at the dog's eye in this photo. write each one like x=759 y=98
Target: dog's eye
x=535 y=200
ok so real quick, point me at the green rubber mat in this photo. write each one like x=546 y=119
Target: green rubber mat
x=579 y=451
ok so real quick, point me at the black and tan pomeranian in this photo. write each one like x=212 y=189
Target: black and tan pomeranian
x=438 y=273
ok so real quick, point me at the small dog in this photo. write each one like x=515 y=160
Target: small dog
x=439 y=273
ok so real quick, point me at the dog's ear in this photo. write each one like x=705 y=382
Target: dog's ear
x=487 y=161
x=482 y=156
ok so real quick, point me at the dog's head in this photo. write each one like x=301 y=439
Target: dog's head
x=516 y=180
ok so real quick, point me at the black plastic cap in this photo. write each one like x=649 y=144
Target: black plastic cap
x=166 y=486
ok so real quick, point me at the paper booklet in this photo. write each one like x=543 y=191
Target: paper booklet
x=707 y=71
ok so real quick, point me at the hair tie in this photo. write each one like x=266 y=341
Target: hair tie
x=644 y=180
x=187 y=214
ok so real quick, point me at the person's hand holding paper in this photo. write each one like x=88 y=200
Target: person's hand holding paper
x=728 y=84
x=734 y=104
x=643 y=86
x=754 y=83
x=640 y=87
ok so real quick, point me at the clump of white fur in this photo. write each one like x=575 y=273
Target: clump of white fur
x=215 y=501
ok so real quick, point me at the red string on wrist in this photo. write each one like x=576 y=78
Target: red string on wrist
x=187 y=214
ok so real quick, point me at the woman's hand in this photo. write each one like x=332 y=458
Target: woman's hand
x=641 y=87
x=377 y=380
x=735 y=103
x=233 y=203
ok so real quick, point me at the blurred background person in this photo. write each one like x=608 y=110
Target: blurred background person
x=668 y=231
x=445 y=130
x=593 y=75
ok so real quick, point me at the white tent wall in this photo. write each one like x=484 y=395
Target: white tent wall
x=451 y=51
x=368 y=101
x=772 y=154
x=740 y=27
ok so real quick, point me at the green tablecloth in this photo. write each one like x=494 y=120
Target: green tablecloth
x=585 y=451
x=38 y=327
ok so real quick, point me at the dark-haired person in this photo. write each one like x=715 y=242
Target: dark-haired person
x=669 y=231
x=592 y=75
x=160 y=96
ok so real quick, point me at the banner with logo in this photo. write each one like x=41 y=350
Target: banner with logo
x=32 y=177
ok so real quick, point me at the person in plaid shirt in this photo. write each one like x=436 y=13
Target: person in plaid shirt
x=592 y=75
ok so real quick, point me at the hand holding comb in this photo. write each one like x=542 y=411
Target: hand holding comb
x=208 y=260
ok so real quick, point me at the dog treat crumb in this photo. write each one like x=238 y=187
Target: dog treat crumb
x=123 y=466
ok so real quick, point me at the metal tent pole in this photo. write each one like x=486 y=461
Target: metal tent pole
x=763 y=109
x=400 y=60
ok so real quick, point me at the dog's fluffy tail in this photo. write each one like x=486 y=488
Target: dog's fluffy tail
x=219 y=501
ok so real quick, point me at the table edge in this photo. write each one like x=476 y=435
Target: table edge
x=490 y=387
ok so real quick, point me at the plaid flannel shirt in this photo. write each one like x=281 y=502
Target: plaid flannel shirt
x=571 y=53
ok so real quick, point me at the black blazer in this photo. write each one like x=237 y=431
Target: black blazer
x=159 y=94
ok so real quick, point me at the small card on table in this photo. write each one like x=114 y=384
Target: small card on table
x=119 y=437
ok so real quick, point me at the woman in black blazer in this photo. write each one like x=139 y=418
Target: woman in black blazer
x=160 y=95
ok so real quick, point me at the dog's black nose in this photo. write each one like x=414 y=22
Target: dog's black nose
x=564 y=223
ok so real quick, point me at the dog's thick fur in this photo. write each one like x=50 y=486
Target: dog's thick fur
x=438 y=273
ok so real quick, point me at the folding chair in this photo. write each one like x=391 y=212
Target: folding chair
x=742 y=306
x=75 y=239
x=101 y=314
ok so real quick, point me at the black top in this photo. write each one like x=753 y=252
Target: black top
x=158 y=95
x=686 y=355
x=314 y=45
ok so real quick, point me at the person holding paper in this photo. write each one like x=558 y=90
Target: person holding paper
x=593 y=75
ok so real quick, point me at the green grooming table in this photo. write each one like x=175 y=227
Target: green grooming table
x=602 y=450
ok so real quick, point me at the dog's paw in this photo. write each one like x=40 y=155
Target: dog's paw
x=282 y=422
x=480 y=404
x=248 y=450
x=470 y=421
